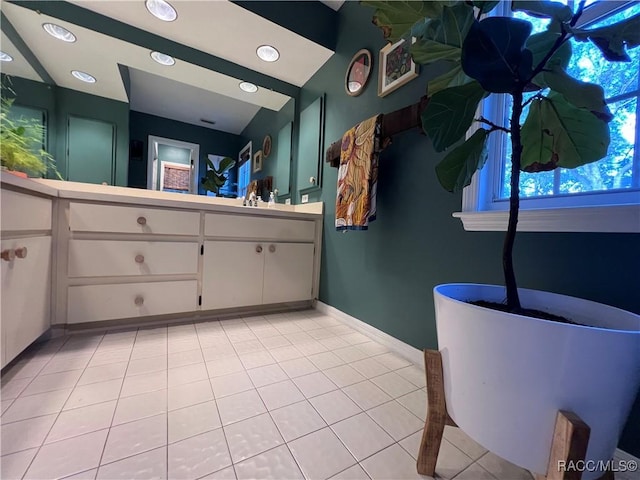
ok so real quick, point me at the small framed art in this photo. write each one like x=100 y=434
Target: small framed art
x=396 y=67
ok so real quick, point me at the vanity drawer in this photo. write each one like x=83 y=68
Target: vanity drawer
x=25 y=212
x=86 y=217
x=237 y=226
x=92 y=303
x=103 y=258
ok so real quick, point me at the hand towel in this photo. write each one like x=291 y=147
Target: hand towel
x=358 y=176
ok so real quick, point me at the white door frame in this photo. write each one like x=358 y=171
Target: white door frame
x=152 y=160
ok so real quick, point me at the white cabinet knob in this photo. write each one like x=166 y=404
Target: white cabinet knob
x=312 y=180
x=139 y=258
x=8 y=255
x=272 y=248
x=142 y=221
x=21 y=252
x=139 y=301
x=258 y=248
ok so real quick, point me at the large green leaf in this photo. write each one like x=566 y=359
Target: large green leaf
x=455 y=77
x=458 y=166
x=493 y=53
x=540 y=44
x=449 y=114
x=396 y=18
x=579 y=94
x=558 y=134
x=613 y=40
x=543 y=9
x=225 y=164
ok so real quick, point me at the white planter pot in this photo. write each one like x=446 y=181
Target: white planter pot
x=506 y=376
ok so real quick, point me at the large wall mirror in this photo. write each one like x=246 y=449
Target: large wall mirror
x=311 y=140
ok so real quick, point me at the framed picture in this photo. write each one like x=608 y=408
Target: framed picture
x=396 y=67
x=266 y=146
x=257 y=161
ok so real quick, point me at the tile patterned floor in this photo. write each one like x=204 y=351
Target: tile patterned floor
x=282 y=396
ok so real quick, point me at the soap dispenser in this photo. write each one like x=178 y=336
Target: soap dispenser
x=272 y=200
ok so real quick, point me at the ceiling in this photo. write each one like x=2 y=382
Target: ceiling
x=185 y=91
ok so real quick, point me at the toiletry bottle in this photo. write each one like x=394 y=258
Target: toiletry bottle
x=258 y=200
x=272 y=200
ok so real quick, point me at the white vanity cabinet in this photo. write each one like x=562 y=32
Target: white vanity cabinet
x=257 y=261
x=26 y=271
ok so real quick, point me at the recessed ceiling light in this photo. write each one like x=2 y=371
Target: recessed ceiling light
x=248 y=87
x=268 y=53
x=5 y=57
x=59 y=32
x=163 y=59
x=162 y=10
x=85 y=77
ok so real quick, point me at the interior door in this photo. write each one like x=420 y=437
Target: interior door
x=90 y=151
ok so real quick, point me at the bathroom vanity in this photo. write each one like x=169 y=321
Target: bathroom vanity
x=81 y=255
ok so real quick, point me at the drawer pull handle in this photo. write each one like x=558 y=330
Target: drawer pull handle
x=21 y=252
x=272 y=248
x=142 y=221
x=8 y=255
x=139 y=258
x=139 y=301
x=259 y=248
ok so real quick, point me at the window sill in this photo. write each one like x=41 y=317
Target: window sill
x=612 y=219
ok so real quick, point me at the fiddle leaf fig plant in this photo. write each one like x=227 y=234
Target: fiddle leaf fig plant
x=215 y=178
x=567 y=119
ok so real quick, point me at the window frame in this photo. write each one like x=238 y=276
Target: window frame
x=617 y=211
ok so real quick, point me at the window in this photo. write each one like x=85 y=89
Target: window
x=608 y=191
x=244 y=169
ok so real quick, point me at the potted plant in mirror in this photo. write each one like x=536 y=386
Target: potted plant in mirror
x=20 y=144
x=508 y=369
x=215 y=178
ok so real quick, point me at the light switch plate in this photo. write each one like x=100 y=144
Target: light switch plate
x=305 y=198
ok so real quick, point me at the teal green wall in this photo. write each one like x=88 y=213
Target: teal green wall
x=60 y=103
x=267 y=122
x=385 y=276
x=211 y=141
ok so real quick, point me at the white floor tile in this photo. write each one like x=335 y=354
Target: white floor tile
x=94 y=393
x=252 y=436
x=147 y=365
x=212 y=350
x=334 y=406
x=27 y=368
x=25 y=434
x=369 y=367
x=414 y=374
x=61 y=363
x=12 y=467
x=500 y=468
x=5 y=404
x=86 y=475
x=189 y=394
x=231 y=384
x=256 y=359
x=67 y=457
x=144 y=466
x=35 y=405
x=137 y=407
x=416 y=403
x=280 y=394
x=475 y=472
x=103 y=373
x=311 y=348
x=320 y=333
x=350 y=353
x=198 y=456
x=321 y=455
x=451 y=461
x=362 y=436
x=109 y=357
x=297 y=420
x=366 y=394
x=149 y=349
x=344 y=375
x=411 y=444
x=355 y=338
x=396 y=420
x=289 y=352
x=314 y=384
x=392 y=361
x=372 y=348
x=135 y=437
x=325 y=360
x=267 y=375
x=273 y=341
x=187 y=374
x=225 y=474
x=298 y=367
x=394 y=384
x=12 y=388
x=391 y=463
x=79 y=421
x=275 y=464
x=248 y=346
x=240 y=406
x=148 y=382
x=466 y=444
x=352 y=473
x=224 y=366
x=189 y=421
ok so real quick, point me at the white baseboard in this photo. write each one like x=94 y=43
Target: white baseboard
x=405 y=350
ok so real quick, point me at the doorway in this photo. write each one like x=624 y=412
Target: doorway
x=172 y=165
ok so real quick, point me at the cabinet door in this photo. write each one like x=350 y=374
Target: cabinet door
x=26 y=292
x=288 y=272
x=232 y=275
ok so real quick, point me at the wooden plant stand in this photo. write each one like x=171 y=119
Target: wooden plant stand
x=570 y=438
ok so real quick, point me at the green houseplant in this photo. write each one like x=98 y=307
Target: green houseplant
x=215 y=178
x=497 y=358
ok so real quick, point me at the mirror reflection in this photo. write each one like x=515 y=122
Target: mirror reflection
x=149 y=120
x=358 y=73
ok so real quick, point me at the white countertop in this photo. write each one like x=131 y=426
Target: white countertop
x=111 y=194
